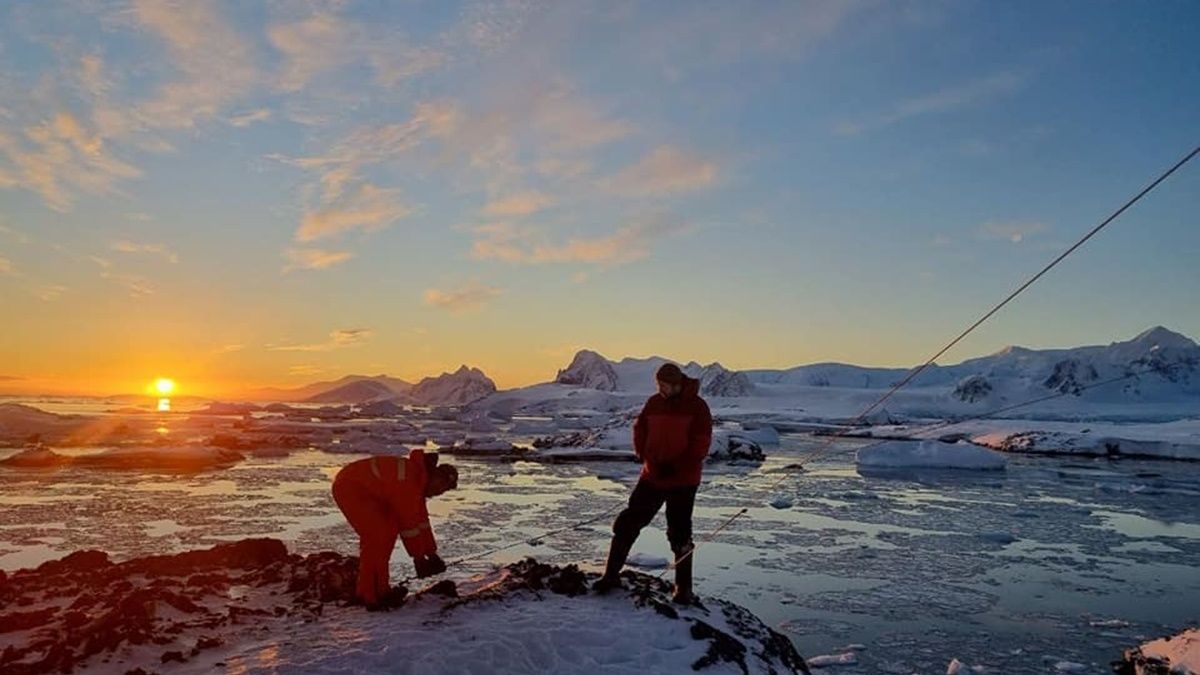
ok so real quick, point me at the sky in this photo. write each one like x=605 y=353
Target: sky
x=246 y=194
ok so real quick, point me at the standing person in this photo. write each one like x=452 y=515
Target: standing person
x=671 y=438
x=382 y=498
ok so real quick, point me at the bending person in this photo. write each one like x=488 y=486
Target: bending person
x=384 y=497
x=671 y=438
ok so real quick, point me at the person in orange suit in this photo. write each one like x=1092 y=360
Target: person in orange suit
x=382 y=498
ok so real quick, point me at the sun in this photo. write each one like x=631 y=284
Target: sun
x=164 y=386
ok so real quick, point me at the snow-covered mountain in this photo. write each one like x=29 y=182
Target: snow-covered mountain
x=589 y=369
x=312 y=391
x=1164 y=364
x=464 y=386
x=358 y=391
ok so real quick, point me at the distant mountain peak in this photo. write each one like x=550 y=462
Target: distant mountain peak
x=591 y=370
x=1159 y=336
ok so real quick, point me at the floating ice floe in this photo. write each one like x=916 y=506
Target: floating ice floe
x=137 y=458
x=929 y=455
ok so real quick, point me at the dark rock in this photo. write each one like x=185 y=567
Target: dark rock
x=79 y=561
x=168 y=657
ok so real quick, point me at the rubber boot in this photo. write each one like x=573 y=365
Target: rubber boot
x=618 y=551
x=683 y=576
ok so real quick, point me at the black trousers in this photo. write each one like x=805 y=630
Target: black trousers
x=644 y=504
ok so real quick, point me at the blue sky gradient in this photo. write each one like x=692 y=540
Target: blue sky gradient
x=241 y=194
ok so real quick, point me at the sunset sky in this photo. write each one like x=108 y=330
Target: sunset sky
x=242 y=194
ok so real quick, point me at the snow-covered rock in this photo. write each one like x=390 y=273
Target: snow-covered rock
x=384 y=408
x=464 y=386
x=589 y=369
x=646 y=561
x=731 y=446
x=84 y=612
x=1175 y=655
x=929 y=455
x=1179 y=440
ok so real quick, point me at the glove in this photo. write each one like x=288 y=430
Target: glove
x=428 y=566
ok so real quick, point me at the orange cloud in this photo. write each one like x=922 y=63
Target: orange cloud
x=520 y=204
x=665 y=170
x=630 y=243
x=369 y=208
x=314 y=258
x=471 y=295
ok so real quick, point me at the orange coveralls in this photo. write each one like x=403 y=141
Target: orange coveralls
x=384 y=497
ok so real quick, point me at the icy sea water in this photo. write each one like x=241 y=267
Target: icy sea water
x=1054 y=560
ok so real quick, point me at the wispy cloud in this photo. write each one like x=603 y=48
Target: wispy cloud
x=304 y=370
x=520 y=204
x=629 y=243
x=325 y=42
x=137 y=285
x=215 y=63
x=948 y=99
x=467 y=297
x=338 y=339
x=58 y=158
x=228 y=349
x=313 y=259
x=6 y=267
x=125 y=246
x=368 y=208
x=1013 y=231
x=247 y=118
x=49 y=292
x=663 y=171
x=17 y=235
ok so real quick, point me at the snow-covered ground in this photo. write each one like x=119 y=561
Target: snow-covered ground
x=1054 y=560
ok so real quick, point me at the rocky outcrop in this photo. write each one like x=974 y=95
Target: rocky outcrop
x=1070 y=376
x=199 y=607
x=84 y=606
x=972 y=389
x=1175 y=655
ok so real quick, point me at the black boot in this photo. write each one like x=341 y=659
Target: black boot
x=683 y=576
x=618 y=551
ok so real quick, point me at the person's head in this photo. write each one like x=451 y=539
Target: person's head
x=441 y=479
x=670 y=380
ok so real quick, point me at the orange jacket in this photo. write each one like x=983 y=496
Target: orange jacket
x=671 y=437
x=399 y=484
